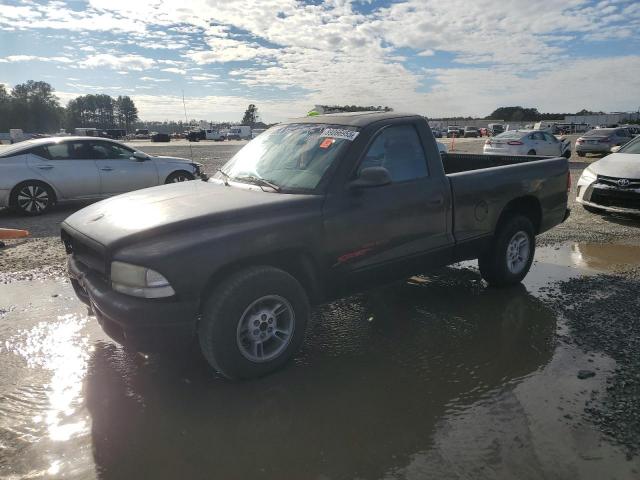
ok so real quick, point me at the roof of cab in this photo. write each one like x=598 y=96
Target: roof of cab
x=353 y=119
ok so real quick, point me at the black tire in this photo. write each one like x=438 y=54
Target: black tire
x=180 y=176
x=567 y=154
x=227 y=306
x=493 y=264
x=581 y=154
x=32 y=198
x=531 y=152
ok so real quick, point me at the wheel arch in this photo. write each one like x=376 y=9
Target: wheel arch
x=297 y=263
x=175 y=171
x=14 y=191
x=528 y=205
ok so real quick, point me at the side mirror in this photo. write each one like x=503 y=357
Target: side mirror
x=139 y=156
x=615 y=149
x=372 y=177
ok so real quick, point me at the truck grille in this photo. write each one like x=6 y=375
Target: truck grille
x=92 y=257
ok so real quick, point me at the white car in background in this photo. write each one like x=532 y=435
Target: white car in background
x=612 y=184
x=36 y=174
x=528 y=142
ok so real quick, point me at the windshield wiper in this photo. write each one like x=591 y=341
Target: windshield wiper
x=225 y=175
x=261 y=182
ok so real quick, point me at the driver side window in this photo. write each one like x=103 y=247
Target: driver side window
x=399 y=150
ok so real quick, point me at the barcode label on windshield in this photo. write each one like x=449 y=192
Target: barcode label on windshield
x=339 y=133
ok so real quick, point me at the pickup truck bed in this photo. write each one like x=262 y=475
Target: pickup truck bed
x=310 y=210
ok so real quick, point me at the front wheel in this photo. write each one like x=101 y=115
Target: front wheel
x=509 y=259
x=253 y=322
x=177 y=177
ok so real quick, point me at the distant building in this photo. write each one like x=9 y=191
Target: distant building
x=604 y=119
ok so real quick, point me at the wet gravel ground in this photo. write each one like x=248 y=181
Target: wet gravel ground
x=547 y=406
x=602 y=313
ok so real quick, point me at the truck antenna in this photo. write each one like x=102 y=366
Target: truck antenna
x=186 y=121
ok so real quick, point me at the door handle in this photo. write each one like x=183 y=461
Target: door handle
x=45 y=167
x=436 y=201
x=106 y=169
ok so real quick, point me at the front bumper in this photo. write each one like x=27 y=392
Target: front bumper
x=609 y=199
x=146 y=325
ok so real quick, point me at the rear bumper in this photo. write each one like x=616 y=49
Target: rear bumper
x=584 y=148
x=145 y=325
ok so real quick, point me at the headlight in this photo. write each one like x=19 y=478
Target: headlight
x=139 y=281
x=197 y=167
x=588 y=176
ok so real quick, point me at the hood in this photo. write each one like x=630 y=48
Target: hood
x=621 y=165
x=162 y=159
x=186 y=205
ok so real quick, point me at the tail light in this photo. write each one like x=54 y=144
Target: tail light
x=604 y=140
x=515 y=142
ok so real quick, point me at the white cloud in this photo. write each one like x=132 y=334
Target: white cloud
x=34 y=58
x=177 y=71
x=330 y=53
x=153 y=79
x=118 y=62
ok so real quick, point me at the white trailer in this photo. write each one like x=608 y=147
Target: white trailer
x=240 y=132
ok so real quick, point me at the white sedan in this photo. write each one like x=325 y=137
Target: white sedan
x=528 y=142
x=36 y=174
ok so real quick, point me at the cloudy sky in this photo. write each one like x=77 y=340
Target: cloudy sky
x=434 y=57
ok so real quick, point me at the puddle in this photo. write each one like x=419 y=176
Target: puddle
x=439 y=377
x=591 y=256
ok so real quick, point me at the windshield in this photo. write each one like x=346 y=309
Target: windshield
x=292 y=156
x=632 y=147
x=14 y=149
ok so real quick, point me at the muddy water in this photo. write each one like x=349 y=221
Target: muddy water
x=438 y=377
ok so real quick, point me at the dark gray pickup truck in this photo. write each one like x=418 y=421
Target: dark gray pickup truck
x=310 y=210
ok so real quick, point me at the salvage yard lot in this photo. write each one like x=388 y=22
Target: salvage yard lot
x=539 y=380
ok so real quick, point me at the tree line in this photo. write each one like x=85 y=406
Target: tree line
x=34 y=107
x=522 y=114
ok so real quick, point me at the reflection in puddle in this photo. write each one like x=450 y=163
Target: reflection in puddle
x=591 y=256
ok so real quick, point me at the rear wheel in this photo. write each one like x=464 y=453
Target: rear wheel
x=32 y=198
x=531 y=152
x=581 y=154
x=253 y=323
x=509 y=259
x=181 y=176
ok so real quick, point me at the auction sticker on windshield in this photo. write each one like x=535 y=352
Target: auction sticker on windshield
x=339 y=133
